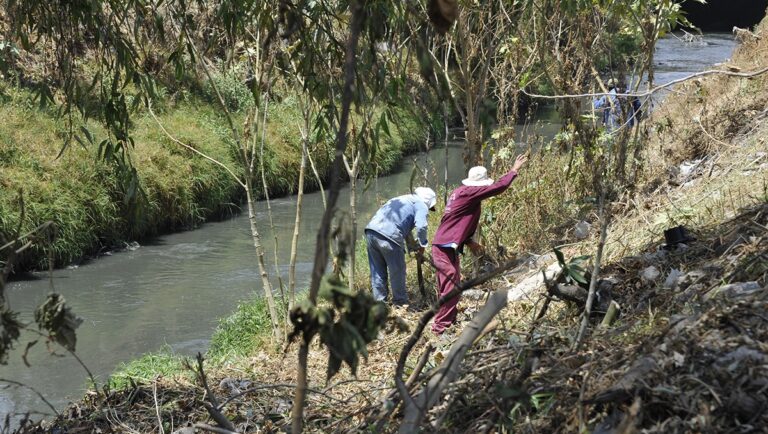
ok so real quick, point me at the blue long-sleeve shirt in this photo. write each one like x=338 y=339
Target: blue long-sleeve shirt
x=397 y=218
x=611 y=109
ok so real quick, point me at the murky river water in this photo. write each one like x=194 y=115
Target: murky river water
x=171 y=291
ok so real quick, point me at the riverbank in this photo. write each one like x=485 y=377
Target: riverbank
x=80 y=193
x=707 y=172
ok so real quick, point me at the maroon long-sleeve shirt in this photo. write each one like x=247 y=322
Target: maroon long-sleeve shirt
x=462 y=212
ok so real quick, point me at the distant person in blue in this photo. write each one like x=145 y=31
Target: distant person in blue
x=635 y=111
x=386 y=236
x=611 y=106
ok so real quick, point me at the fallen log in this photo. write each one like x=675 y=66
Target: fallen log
x=449 y=369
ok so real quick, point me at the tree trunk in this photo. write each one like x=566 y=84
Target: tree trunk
x=471 y=133
x=353 y=213
x=260 y=256
x=319 y=180
x=604 y=222
x=296 y=224
x=445 y=123
x=323 y=233
x=473 y=147
x=637 y=158
x=352 y=171
x=269 y=203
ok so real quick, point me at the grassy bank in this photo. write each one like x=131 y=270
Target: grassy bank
x=81 y=195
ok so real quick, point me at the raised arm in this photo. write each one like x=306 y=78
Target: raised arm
x=502 y=184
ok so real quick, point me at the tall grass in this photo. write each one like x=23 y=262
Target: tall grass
x=541 y=206
x=147 y=367
x=81 y=194
x=240 y=334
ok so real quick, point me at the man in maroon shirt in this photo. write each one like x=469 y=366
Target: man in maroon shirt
x=457 y=227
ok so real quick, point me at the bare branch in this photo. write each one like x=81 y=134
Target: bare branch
x=450 y=368
x=157 y=407
x=655 y=89
x=427 y=316
x=605 y=219
x=213 y=429
x=212 y=404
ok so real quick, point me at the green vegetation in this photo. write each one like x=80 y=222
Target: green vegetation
x=246 y=330
x=543 y=201
x=80 y=193
x=343 y=68
x=145 y=369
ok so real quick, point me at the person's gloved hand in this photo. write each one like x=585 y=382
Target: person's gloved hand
x=418 y=253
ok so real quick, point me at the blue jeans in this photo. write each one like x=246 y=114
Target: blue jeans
x=384 y=254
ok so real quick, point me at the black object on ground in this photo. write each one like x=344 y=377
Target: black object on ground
x=677 y=235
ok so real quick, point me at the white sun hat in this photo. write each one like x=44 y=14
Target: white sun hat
x=477 y=177
x=427 y=195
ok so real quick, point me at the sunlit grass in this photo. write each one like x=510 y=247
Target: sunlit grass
x=151 y=365
x=243 y=332
x=82 y=196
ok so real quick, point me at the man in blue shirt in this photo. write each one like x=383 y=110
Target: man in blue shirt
x=386 y=236
x=611 y=107
x=609 y=104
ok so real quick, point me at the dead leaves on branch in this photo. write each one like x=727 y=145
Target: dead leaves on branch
x=57 y=319
x=443 y=13
x=346 y=326
x=9 y=331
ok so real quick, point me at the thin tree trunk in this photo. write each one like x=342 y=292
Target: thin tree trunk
x=637 y=156
x=319 y=180
x=651 y=48
x=353 y=212
x=248 y=185
x=260 y=256
x=470 y=128
x=296 y=224
x=621 y=159
x=604 y=222
x=323 y=234
x=352 y=171
x=445 y=123
x=269 y=202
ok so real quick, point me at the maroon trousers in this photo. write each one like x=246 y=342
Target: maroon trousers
x=448 y=272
